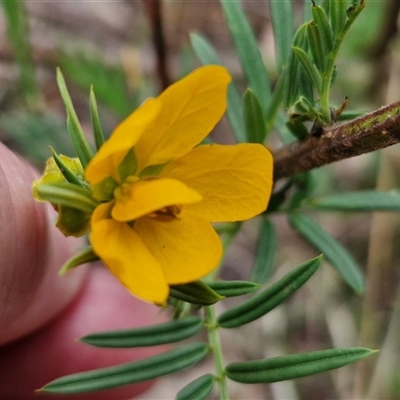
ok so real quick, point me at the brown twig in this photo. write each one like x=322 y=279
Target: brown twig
x=154 y=12
x=373 y=131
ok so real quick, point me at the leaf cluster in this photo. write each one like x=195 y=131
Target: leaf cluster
x=258 y=371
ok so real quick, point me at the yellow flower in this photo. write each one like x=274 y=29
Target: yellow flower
x=160 y=193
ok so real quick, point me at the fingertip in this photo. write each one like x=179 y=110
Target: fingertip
x=103 y=304
x=31 y=252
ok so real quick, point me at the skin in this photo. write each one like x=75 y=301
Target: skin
x=43 y=314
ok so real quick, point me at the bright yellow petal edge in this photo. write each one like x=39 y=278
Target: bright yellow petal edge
x=127 y=257
x=110 y=155
x=190 y=109
x=234 y=180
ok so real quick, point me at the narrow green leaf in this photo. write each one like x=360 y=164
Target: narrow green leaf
x=195 y=293
x=271 y=114
x=149 y=171
x=247 y=50
x=337 y=14
x=365 y=200
x=67 y=173
x=83 y=155
x=132 y=372
x=96 y=125
x=312 y=74
x=199 y=389
x=83 y=257
x=316 y=46
x=291 y=86
x=128 y=166
x=352 y=13
x=265 y=253
x=168 y=332
x=204 y=49
x=334 y=252
x=294 y=366
x=75 y=130
x=269 y=298
x=67 y=194
x=322 y=22
x=325 y=5
x=234 y=113
x=283 y=27
x=306 y=86
x=233 y=288
x=85 y=68
x=253 y=118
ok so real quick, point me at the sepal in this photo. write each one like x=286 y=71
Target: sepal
x=85 y=256
x=68 y=195
x=73 y=222
x=57 y=169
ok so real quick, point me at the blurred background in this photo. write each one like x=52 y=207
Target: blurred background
x=129 y=50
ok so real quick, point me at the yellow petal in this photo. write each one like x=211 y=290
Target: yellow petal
x=107 y=160
x=102 y=211
x=186 y=247
x=124 y=253
x=149 y=195
x=190 y=109
x=236 y=181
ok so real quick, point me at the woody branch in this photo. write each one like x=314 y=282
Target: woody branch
x=373 y=131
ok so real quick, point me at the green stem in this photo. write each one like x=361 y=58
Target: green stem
x=326 y=82
x=215 y=343
x=327 y=76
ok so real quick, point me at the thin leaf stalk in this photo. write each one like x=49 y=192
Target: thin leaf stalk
x=215 y=344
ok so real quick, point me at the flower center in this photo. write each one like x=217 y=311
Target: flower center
x=165 y=214
x=122 y=192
